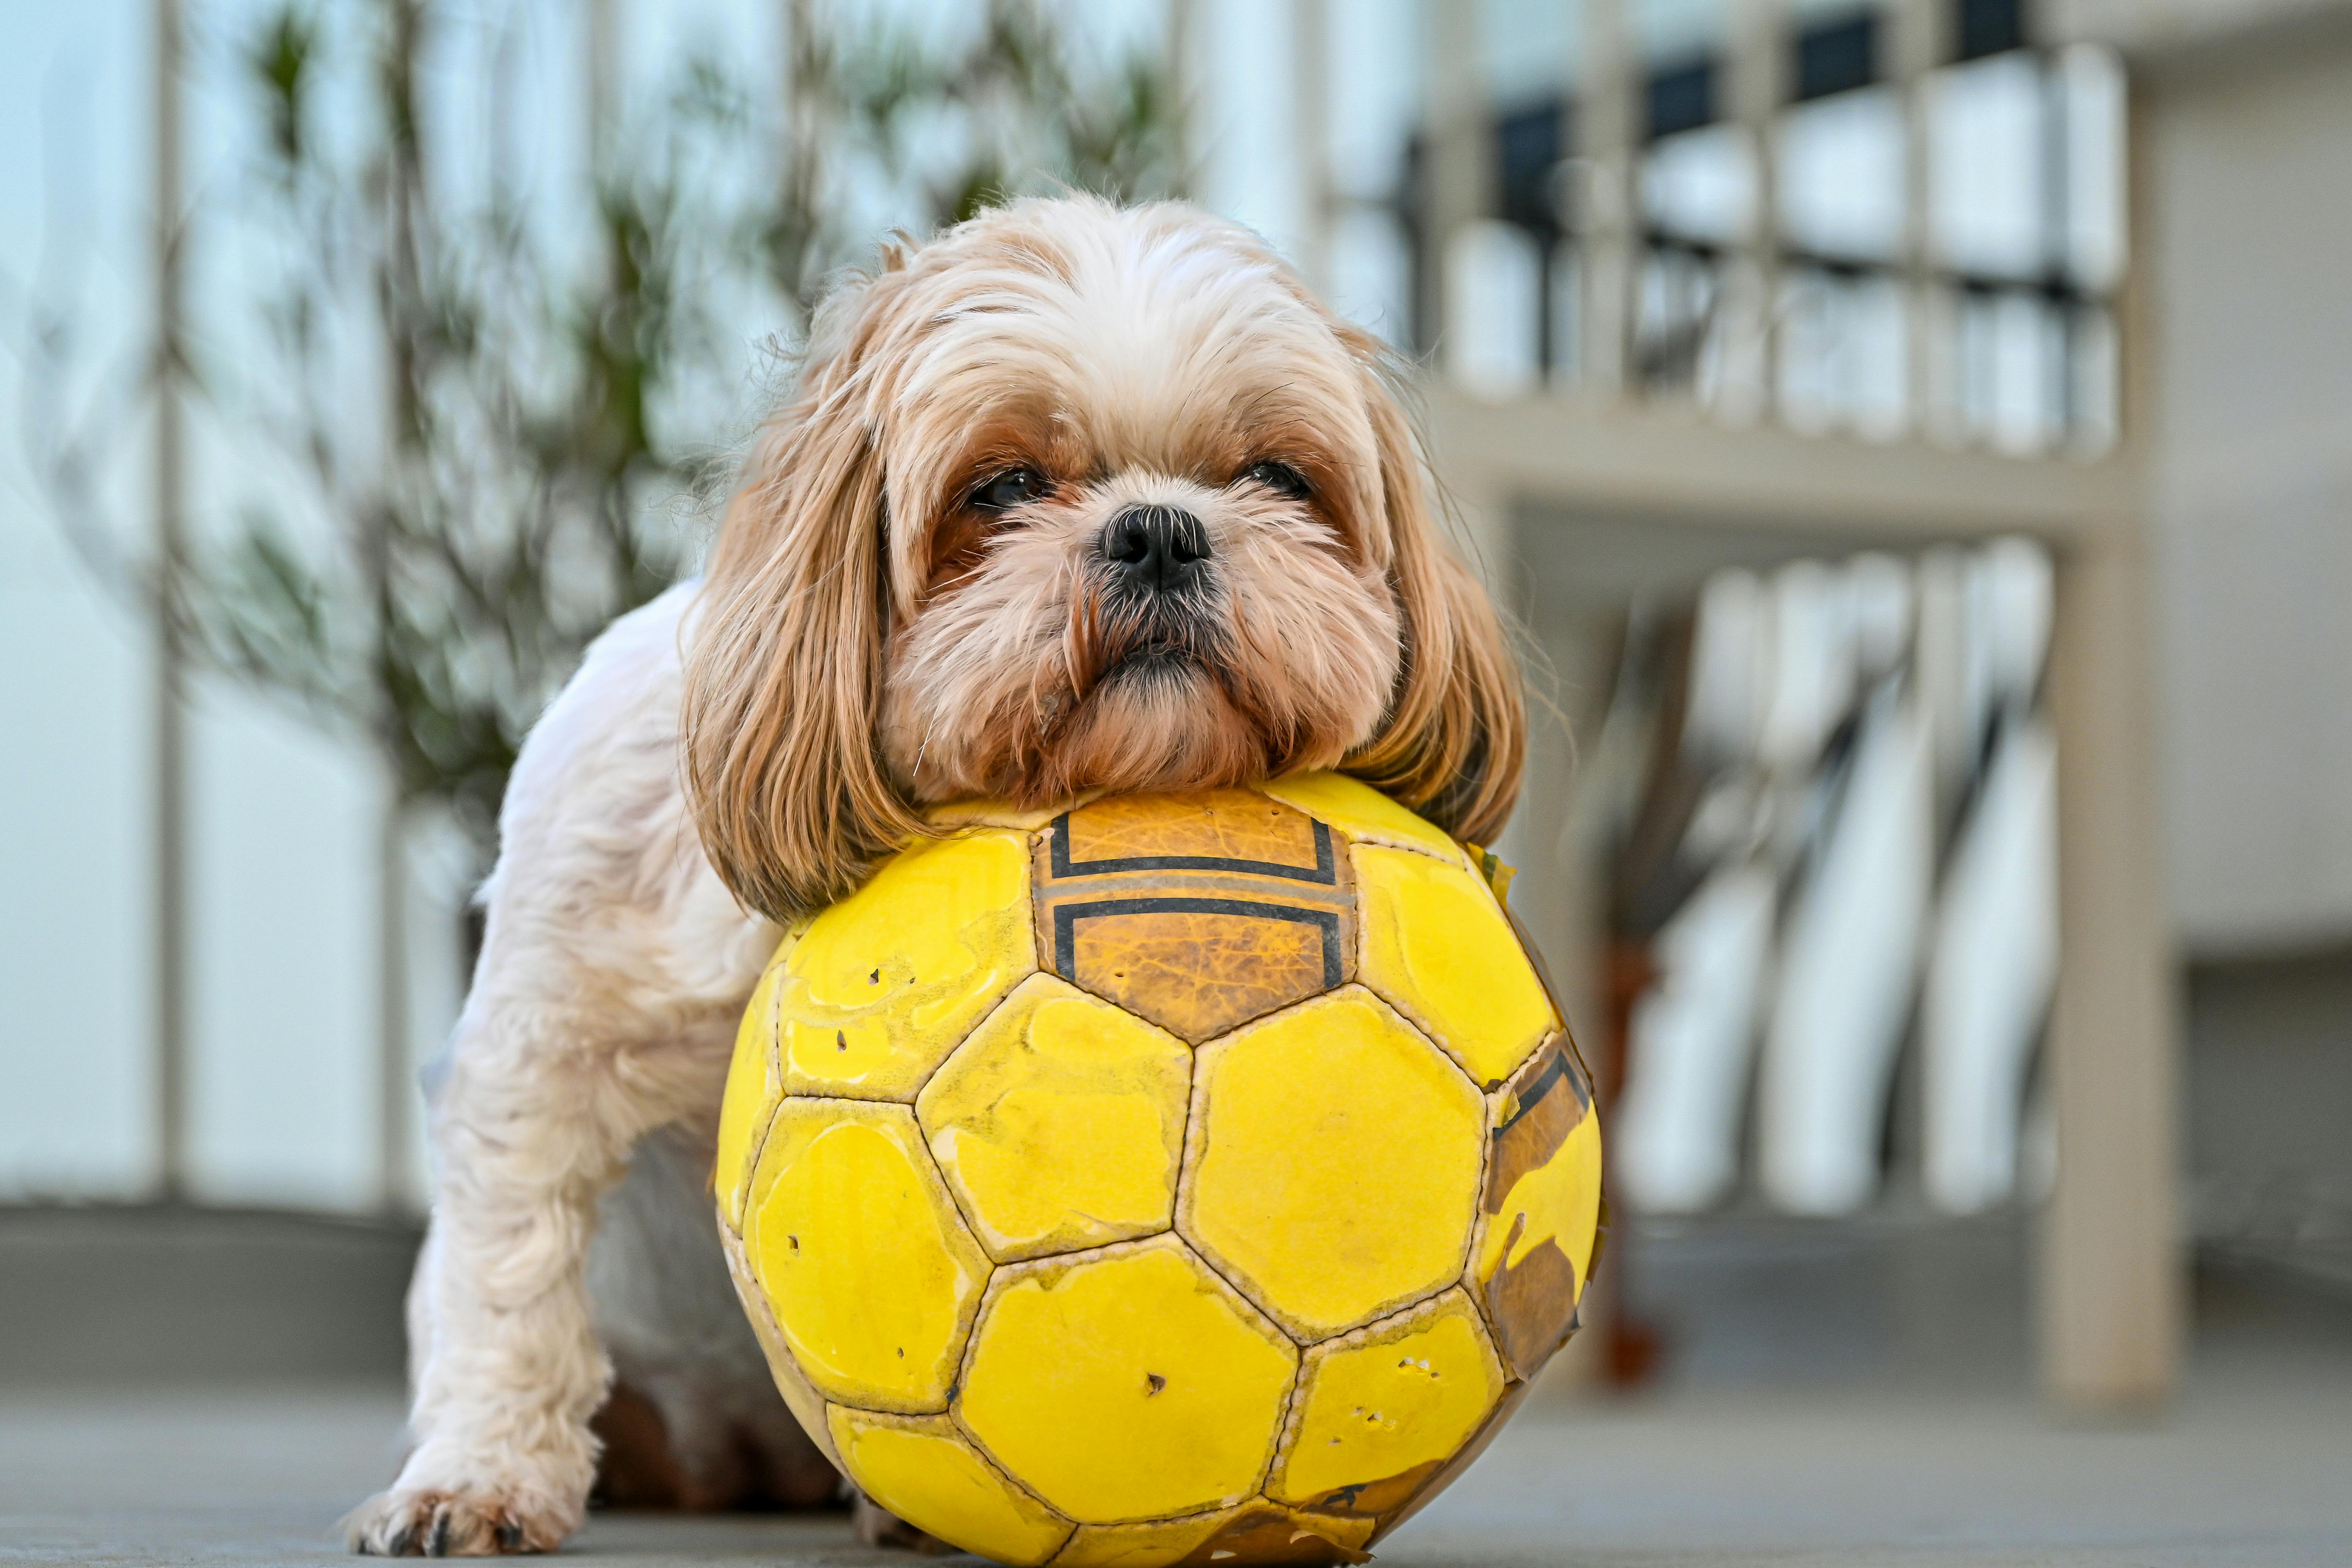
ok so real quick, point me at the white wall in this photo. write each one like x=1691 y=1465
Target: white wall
x=283 y=1092
x=75 y=1085
x=2250 y=229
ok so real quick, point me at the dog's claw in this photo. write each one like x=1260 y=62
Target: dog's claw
x=430 y=1522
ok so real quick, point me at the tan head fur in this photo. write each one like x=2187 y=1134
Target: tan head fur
x=1078 y=497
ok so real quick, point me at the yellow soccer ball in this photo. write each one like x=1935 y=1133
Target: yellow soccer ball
x=1171 y=1179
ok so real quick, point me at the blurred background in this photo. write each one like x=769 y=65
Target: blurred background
x=1912 y=435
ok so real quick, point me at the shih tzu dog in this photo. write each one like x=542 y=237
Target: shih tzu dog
x=1070 y=498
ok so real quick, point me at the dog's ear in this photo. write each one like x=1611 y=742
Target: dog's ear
x=1455 y=740
x=783 y=659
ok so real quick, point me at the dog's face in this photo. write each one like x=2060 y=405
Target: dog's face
x=1077 y=499
x=1137 y=532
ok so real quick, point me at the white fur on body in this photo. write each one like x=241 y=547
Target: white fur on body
x=613 y=974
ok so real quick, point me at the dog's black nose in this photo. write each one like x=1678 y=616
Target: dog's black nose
x=1157 y=548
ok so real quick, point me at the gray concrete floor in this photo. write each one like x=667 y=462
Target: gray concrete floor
x=2253 y=1467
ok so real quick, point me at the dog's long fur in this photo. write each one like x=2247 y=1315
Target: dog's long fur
x=881 y=628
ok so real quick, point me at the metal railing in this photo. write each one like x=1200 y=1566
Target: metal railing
x=1800 y=222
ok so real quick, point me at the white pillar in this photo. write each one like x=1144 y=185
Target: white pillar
x=1311 y=52
x=169 y=936
x=2111 y=1281
x=1457 y=172
x=1609 y=130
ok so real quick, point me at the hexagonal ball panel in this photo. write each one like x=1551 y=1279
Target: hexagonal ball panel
x=1363 y=814
x=1540 y=1216
x=925 y=1470
x=1331 y=1163
x=1255 y=1532
x=1438 y=946
x=1059 y=1123
x=861 y=1254
x=1381 y=1410
x=1224 y=830
x=884 y=984
x=1125 y=1384
x=1197 y=911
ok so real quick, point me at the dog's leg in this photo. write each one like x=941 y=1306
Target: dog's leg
x=604 y=1005
x=528 y=1131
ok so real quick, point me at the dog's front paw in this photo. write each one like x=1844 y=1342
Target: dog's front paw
x=423 y=1521
x=877 y=1526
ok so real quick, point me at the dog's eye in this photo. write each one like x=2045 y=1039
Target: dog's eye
x=1012 y=487
x=1280 y=478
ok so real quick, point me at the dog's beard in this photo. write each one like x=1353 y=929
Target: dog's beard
x=1119 y=640
x=1150 y=701
x=1159 y=722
